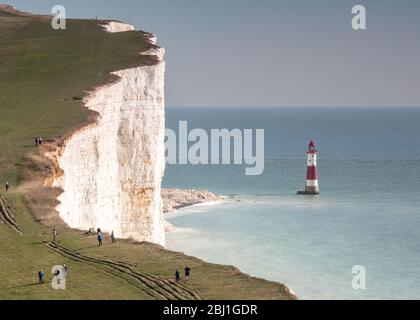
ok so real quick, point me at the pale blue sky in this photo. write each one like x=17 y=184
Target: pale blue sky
x=272 y=52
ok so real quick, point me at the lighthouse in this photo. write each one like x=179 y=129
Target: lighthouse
x=312 y=187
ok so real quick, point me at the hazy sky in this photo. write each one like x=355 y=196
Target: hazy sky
x=274 y=52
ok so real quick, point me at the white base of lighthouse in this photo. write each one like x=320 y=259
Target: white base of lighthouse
x=311 y=188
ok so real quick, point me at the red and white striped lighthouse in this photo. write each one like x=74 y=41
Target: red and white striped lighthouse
x=312 y=186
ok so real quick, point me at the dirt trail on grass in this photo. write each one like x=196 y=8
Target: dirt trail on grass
x=157 y=287
x=7 y=217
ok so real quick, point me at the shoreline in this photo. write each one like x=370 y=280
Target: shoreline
x=177 y=199
x=174 y=200
x=174 y=229
x=238 y=270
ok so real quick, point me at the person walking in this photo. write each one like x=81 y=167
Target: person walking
x=41 y=276
x=177 y=276
x=40 y=141
x=100 y=238
x=54 y=233
x=187 y=272
x=113 y=237
x=7 y=186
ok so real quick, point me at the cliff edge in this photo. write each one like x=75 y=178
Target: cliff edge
x=112 y=169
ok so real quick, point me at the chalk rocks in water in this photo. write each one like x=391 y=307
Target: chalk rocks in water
x=176 y=198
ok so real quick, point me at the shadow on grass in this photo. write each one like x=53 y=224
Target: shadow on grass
x=34 y=284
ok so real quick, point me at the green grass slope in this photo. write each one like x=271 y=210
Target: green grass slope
x=41 y=70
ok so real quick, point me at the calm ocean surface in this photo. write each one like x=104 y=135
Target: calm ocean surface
x=368 y=212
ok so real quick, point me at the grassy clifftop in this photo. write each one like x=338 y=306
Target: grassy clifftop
x=43 y=73
x=42 y=69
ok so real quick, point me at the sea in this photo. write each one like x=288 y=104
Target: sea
x=359 y=239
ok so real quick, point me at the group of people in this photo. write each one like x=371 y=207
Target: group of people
x=187 y=273
x=101 y=237
x=38 y=141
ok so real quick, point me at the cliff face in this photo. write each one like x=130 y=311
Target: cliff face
x=112 y=170
x=116 y=26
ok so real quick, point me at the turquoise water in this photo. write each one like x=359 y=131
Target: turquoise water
x=368 y=212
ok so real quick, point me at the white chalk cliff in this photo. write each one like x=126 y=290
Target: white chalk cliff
x=116 y=26
x=113 y=168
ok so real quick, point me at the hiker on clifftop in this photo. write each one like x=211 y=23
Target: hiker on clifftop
x=54 y=233
x=100 y=238
x=177 y=276
x=41 y=276
x=187 y=272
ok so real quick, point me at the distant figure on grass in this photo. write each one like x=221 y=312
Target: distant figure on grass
x=177 y=276
x=54 y=233
x=41 y=276
x=40 y=141
x=100 y=238
x=7 y=186
x=187 y=272
x=65 y=269
x=113 y=237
